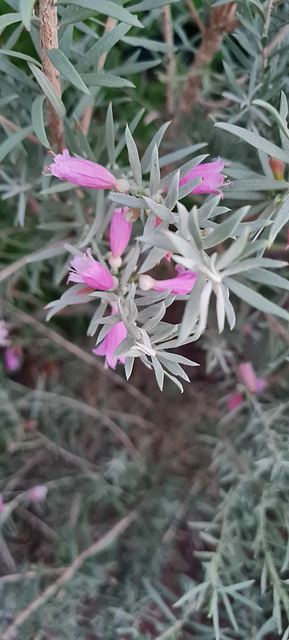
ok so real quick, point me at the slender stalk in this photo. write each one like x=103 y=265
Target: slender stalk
x=171 y=65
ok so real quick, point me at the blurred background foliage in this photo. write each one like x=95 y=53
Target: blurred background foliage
x=199 y=494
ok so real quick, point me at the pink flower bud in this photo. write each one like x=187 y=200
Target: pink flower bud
x=236 y=399
x=82 y=172
x=277 y=168
x=119 y=235
x=248 y=375
x=85 y=269
x=38 y=493
x=180 y=285
x=110 y=343
x=1 y=503
x=13 y=357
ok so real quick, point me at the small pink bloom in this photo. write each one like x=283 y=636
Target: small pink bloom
x=13 y=358
x=1 y=503
x=277 y=168
x=37 y=493
x=211 y=175
x=85 y=269
x=170 y=253
x=85 y=173
x=180 y=285
x=248 y=375
x=287 y=245
x=119 y=235
x=4 y=342
x=236 y=399
x=110 y=343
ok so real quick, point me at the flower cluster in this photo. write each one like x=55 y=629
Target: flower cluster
x=253 y=384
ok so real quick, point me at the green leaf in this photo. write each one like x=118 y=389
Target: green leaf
x=106 y=8
x=274 y=113
x=146 y=159
x=282 y=217
x=18 y=54
x=106 y=80
x=9 y=18
x=104 y=44
x=38 y=122
x=132 y=126
x=255 y=299
x=26 y=7
x=64 y=66
x=192 y=308
x=147 y=5
x=13 y=140
x=269 y=278
x=49 y=90
x=151 y=45
x=109 y=135
x=133 y=156
x=255 y=140
x=226 y=229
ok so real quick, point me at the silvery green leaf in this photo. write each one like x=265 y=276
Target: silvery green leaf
x=269 y=278
x=189 y=187
x=159 y=372
x=281 y=218
x=132 y=126
x=147 y=5
x=229 y=309
x=124 y=346
x=149 y=312
x=64 y=66
x=173 y=191
x=107 y=8
x=225 y=229
x=163 y=332
x=133 y=157
x=257 y=184
x=160 y=210
x=154 y=257
x=127 y=201
x=204 y=306
x=153 y=322
x=194 y=228
x=38 y=122
x=128 y=366
x=49 y=90
x=206 y=210
x=137 y=67
x=151 y=298
x=131 y=265
x=254 y=247
x=255 y=299
x=13 y=141
x=109 y=135
x=154 y=183
x=146 y=43
x=255 y=140
x=220 y=306
x=103 y=45
x=176 y=357
x=102 y=79
x=169 y=158
x=234 y=251
x=174 y=368
x=252 y=263
x=192 y=308
x=173 y=242
x=175 y=381
x=283 y=115
x=275 y=114
x=9 y=18
x=92 y=327
x=184 y=169
x=183 y=222
x=146 y=159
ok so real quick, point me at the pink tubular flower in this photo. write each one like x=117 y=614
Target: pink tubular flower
x=13 y=358
x=4 y=342
x=85 y=173
x=211 y=175
x=119 y=235
x=85 y=269
x=236 y=399
x=37 y=493
x=110 y=343
x=1 y=503
x=248 y=375
x=179 y=285
x=277 y=168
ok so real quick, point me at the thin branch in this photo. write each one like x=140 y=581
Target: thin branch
x=14 y=127
x=49 y=40
x=277 y=327
x=99 y=546
x=171 y=66
x=194 y=13
x=29 y=575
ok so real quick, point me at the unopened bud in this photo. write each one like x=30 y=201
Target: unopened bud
x=145 y=282
x=37 y=493
x=122 y=185
x=115 y=261
x=277 y=168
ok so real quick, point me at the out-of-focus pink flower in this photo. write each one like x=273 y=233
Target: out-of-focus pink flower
x=1 y=503
x=4 y=342
x=110 y=343
x=211 y=175
x=85 y=173
x=92 y=273
x=37 y=493
x=248 y=375
x=287 y=245
x=277 y=168
x=236 y=399
x=13 y=358
x=119 y=235
x=180 y=285
x=170 y=253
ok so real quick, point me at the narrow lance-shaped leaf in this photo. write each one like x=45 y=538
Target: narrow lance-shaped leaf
x=38 y=122
x=49 y=90
x=255 y=299
x=25 y=11
x=282 y=217
x=106 y=8
x=64 y=66
x=109 y=135
x=255 y=140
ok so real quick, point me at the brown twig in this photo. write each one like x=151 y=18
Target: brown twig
x=222 y=20
x=78 y=352
x=68 y=574
x=194 y=13
x=14 y=127
x=171 y=65
x=29 y=575
x=49 y=40
x=277 y=327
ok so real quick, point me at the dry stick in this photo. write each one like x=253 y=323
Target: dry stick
x=222 y=20
x=69 y=573
x=194 y=13
x=171 y=66
x=78 y=352
x=277 y=327
x=49 y=40
x=14 y=127
x=87 y=114
x=29 y=575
